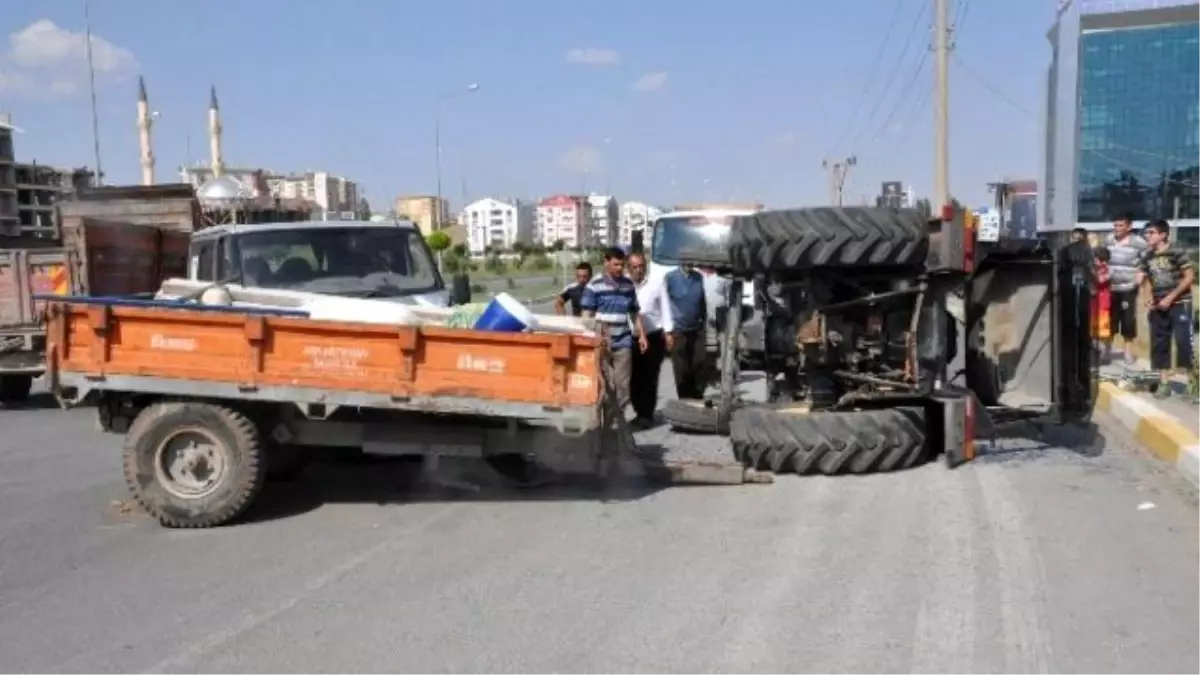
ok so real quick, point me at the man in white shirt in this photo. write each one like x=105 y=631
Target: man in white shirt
x=655 y=308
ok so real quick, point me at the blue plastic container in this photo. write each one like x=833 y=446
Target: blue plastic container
x=505 y=314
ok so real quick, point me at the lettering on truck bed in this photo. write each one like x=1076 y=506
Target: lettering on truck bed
x=172 y=344
x=340 y=360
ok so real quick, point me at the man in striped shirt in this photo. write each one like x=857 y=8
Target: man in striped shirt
x=612 y=299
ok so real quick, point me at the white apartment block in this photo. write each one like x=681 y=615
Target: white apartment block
x=635 y=216
x=565 y=218
x=334 y=196
x=497 y=224
x=603 y=212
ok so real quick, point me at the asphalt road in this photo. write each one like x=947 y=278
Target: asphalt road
x=1080 y=559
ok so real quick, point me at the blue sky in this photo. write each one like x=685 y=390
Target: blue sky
x=737 y=100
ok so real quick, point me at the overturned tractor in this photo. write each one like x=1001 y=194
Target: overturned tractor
x=887 y=339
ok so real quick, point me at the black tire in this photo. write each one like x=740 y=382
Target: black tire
x=694 y=417
x=15 y=388
x=233 y=444
x=830 y=443
x=856 y=236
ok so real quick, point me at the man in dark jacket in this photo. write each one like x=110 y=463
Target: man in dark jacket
x=689 y=311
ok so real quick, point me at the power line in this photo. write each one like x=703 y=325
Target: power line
x=891 y=78
x=906 y=122
x=875 y=70
x=909 y=86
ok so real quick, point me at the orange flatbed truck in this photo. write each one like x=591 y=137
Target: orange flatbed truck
x=210 y=397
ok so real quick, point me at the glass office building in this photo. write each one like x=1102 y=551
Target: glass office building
x=1122 y=115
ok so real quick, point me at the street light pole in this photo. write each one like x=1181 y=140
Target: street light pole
x=437 y=140
x=87 y=26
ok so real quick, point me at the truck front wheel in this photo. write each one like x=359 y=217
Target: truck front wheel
x=15 y=388
x=194 y=465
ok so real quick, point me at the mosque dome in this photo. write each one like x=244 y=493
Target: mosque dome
x=223 y=188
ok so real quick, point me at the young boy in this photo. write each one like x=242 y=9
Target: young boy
x=1170 y=274
x=1102 y=302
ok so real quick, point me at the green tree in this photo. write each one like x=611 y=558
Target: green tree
x=558 y=245
x=494 y=263
x=460 y=249
x=438 y=241
x=364 y=209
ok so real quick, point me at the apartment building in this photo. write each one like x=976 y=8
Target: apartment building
x=426 y=211
x=334 y=197
x=29 y=191
x=497 y=224
x=10 y=223
x=563 y=218
x=603 y=215
x=635 y=217
x=39 y=188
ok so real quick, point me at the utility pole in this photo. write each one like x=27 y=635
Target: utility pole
x=941 y=142
x=837 y=177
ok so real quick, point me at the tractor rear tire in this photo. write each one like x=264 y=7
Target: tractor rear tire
x=830 y=443
x=858 y=236
x=695 y=417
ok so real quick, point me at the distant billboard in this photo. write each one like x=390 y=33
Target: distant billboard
x=892 y=193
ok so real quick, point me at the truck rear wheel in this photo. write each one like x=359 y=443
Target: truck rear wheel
x=194 y=465
x=15 y=388
x=830 y=443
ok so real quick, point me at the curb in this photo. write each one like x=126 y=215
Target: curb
x=1159 y=432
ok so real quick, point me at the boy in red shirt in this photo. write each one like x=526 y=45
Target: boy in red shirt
x=1102 y=299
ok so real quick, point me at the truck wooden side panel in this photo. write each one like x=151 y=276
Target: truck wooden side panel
x=253 y=351
x=26 y=272
x=121 y=258
x=97 y=257
x=170 y=207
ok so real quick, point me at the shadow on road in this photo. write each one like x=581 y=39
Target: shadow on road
x=38 y=401
x=1031 y=439
x=385 y=481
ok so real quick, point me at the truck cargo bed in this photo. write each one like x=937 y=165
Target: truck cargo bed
x=97 y=344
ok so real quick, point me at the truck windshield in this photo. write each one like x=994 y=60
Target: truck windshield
x=366 y=261
x=689 y=237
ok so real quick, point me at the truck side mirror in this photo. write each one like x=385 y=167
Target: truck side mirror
x=460 y=289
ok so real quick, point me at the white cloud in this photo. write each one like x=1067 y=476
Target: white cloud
x=581 y=159
x=47 y=60
x=593 y=56
x=651 y=81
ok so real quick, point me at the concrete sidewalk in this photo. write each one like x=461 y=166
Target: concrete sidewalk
x=1168 y=428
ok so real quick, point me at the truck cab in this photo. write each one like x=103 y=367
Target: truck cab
x=352 y=258
x=687 y=233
